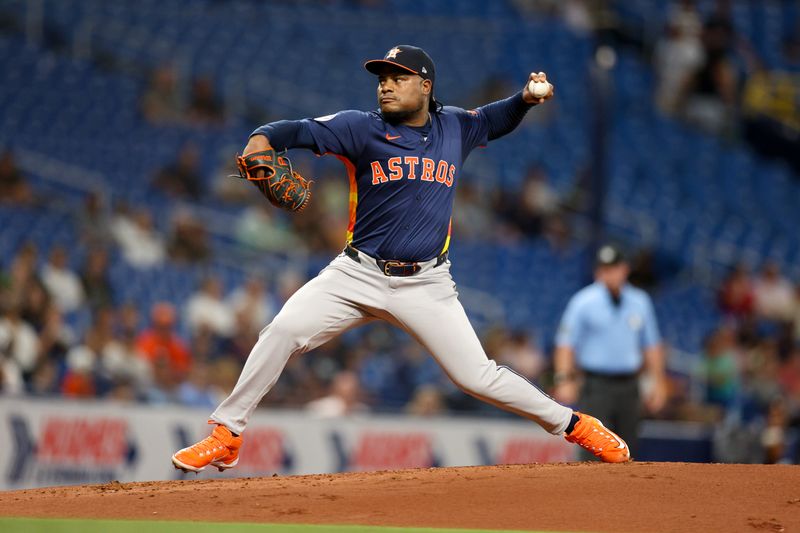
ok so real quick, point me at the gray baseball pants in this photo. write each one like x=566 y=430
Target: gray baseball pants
x=347 y=294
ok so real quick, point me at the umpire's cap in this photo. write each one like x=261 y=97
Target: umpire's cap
x=609 y=255
x=410 y=58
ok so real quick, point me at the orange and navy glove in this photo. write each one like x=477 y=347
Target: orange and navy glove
x=282 y=186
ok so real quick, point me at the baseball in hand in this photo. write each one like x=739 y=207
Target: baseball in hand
x=539 y=89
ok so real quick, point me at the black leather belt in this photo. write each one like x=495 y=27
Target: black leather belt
x=392 y=267
x=611 y=377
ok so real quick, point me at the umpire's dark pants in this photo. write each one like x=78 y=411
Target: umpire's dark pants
x=614 y=399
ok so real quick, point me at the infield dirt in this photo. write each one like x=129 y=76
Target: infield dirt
x=634 y=497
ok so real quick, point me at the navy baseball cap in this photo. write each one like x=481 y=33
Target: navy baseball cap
x=411 y=58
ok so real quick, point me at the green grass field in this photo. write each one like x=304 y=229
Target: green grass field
x=47 y=525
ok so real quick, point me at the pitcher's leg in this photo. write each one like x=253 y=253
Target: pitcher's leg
x=314 y=314
x=433 y=315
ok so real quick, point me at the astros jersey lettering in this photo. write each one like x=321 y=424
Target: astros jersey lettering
x=402 y=178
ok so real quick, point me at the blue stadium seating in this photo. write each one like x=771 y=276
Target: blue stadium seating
x=702 y=202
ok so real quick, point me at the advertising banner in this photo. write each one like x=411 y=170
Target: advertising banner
x=47 y=442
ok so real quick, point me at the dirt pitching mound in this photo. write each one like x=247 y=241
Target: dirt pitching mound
x=636 y=497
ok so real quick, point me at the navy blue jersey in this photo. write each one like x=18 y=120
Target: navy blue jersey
x=402 y=179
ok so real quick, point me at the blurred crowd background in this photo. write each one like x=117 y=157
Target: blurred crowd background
x=132 y=267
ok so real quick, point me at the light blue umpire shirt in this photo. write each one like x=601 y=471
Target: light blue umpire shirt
x=609 y=338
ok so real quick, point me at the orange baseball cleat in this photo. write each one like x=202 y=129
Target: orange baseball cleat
x=591 y=434
x=220 y=449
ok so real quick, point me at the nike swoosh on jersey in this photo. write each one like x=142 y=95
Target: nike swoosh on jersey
x=390 y=138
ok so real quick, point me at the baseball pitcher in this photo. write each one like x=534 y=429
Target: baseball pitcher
x=403 y=161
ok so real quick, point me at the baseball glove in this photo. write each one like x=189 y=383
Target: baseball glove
x=282 y=186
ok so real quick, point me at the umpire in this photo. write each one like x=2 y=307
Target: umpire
x=608 y=336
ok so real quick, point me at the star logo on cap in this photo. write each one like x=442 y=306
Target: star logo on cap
x=391 y=54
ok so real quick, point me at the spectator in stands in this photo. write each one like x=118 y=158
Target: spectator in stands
x=161 y=102
x=101 y=333
x=189 y=240
x=22 y=272
x=771 y=112
x=25 y=291
x=55 y=336
x=94 y=277
x=135 y=233
x=14 y=189
x=254 y=302
x=116 y=355
x=62 y=284
x=711 y=93
x=684 y=15
x=79 y=379
x=204 y=106
x=35 y=307
x=161 y=342
x=577 y=14
x=343 y=399
x=123 y=363
x=774 y=294
x=207 y=307
x=183 y=178
x=18 y=339
x=720 y=368
x=678 y=54
x=736 y=297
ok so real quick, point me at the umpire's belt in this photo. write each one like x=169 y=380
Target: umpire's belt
x=611 y=376
x=395 y=268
